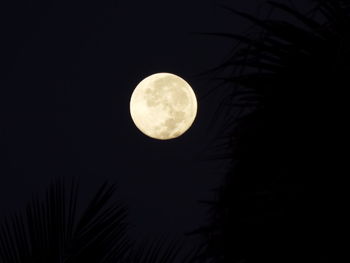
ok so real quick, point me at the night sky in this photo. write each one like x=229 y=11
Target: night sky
x=69 y=71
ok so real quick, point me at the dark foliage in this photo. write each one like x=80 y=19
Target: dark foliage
x=54 y=229
x=276 y=203
x=160 y=252
x=51 y=230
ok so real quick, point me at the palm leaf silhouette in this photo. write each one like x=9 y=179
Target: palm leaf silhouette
x=285 y=77
x=52 y=231
x=161 y=251
x=55 y=229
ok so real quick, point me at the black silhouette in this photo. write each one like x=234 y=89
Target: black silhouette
x=275 y=205
x=53 y=229
x=160 y=252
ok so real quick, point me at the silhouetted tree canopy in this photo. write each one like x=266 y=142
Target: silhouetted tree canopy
x=275 y=204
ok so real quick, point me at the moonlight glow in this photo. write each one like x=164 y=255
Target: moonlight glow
x=163 y=106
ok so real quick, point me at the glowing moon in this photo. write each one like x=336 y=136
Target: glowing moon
x=163 y=106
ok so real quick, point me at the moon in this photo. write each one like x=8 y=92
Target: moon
x=163 y=106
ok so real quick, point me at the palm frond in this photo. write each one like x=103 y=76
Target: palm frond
x=51 y=230
x=308 y=21
x=284 y=73
x=55 y=229
x=161 y=251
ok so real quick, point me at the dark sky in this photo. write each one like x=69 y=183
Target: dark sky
x=69 y=71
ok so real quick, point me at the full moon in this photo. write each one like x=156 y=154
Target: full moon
x=163 y=106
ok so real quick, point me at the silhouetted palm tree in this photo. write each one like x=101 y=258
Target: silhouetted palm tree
x=275 y=205
x=54 y=229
